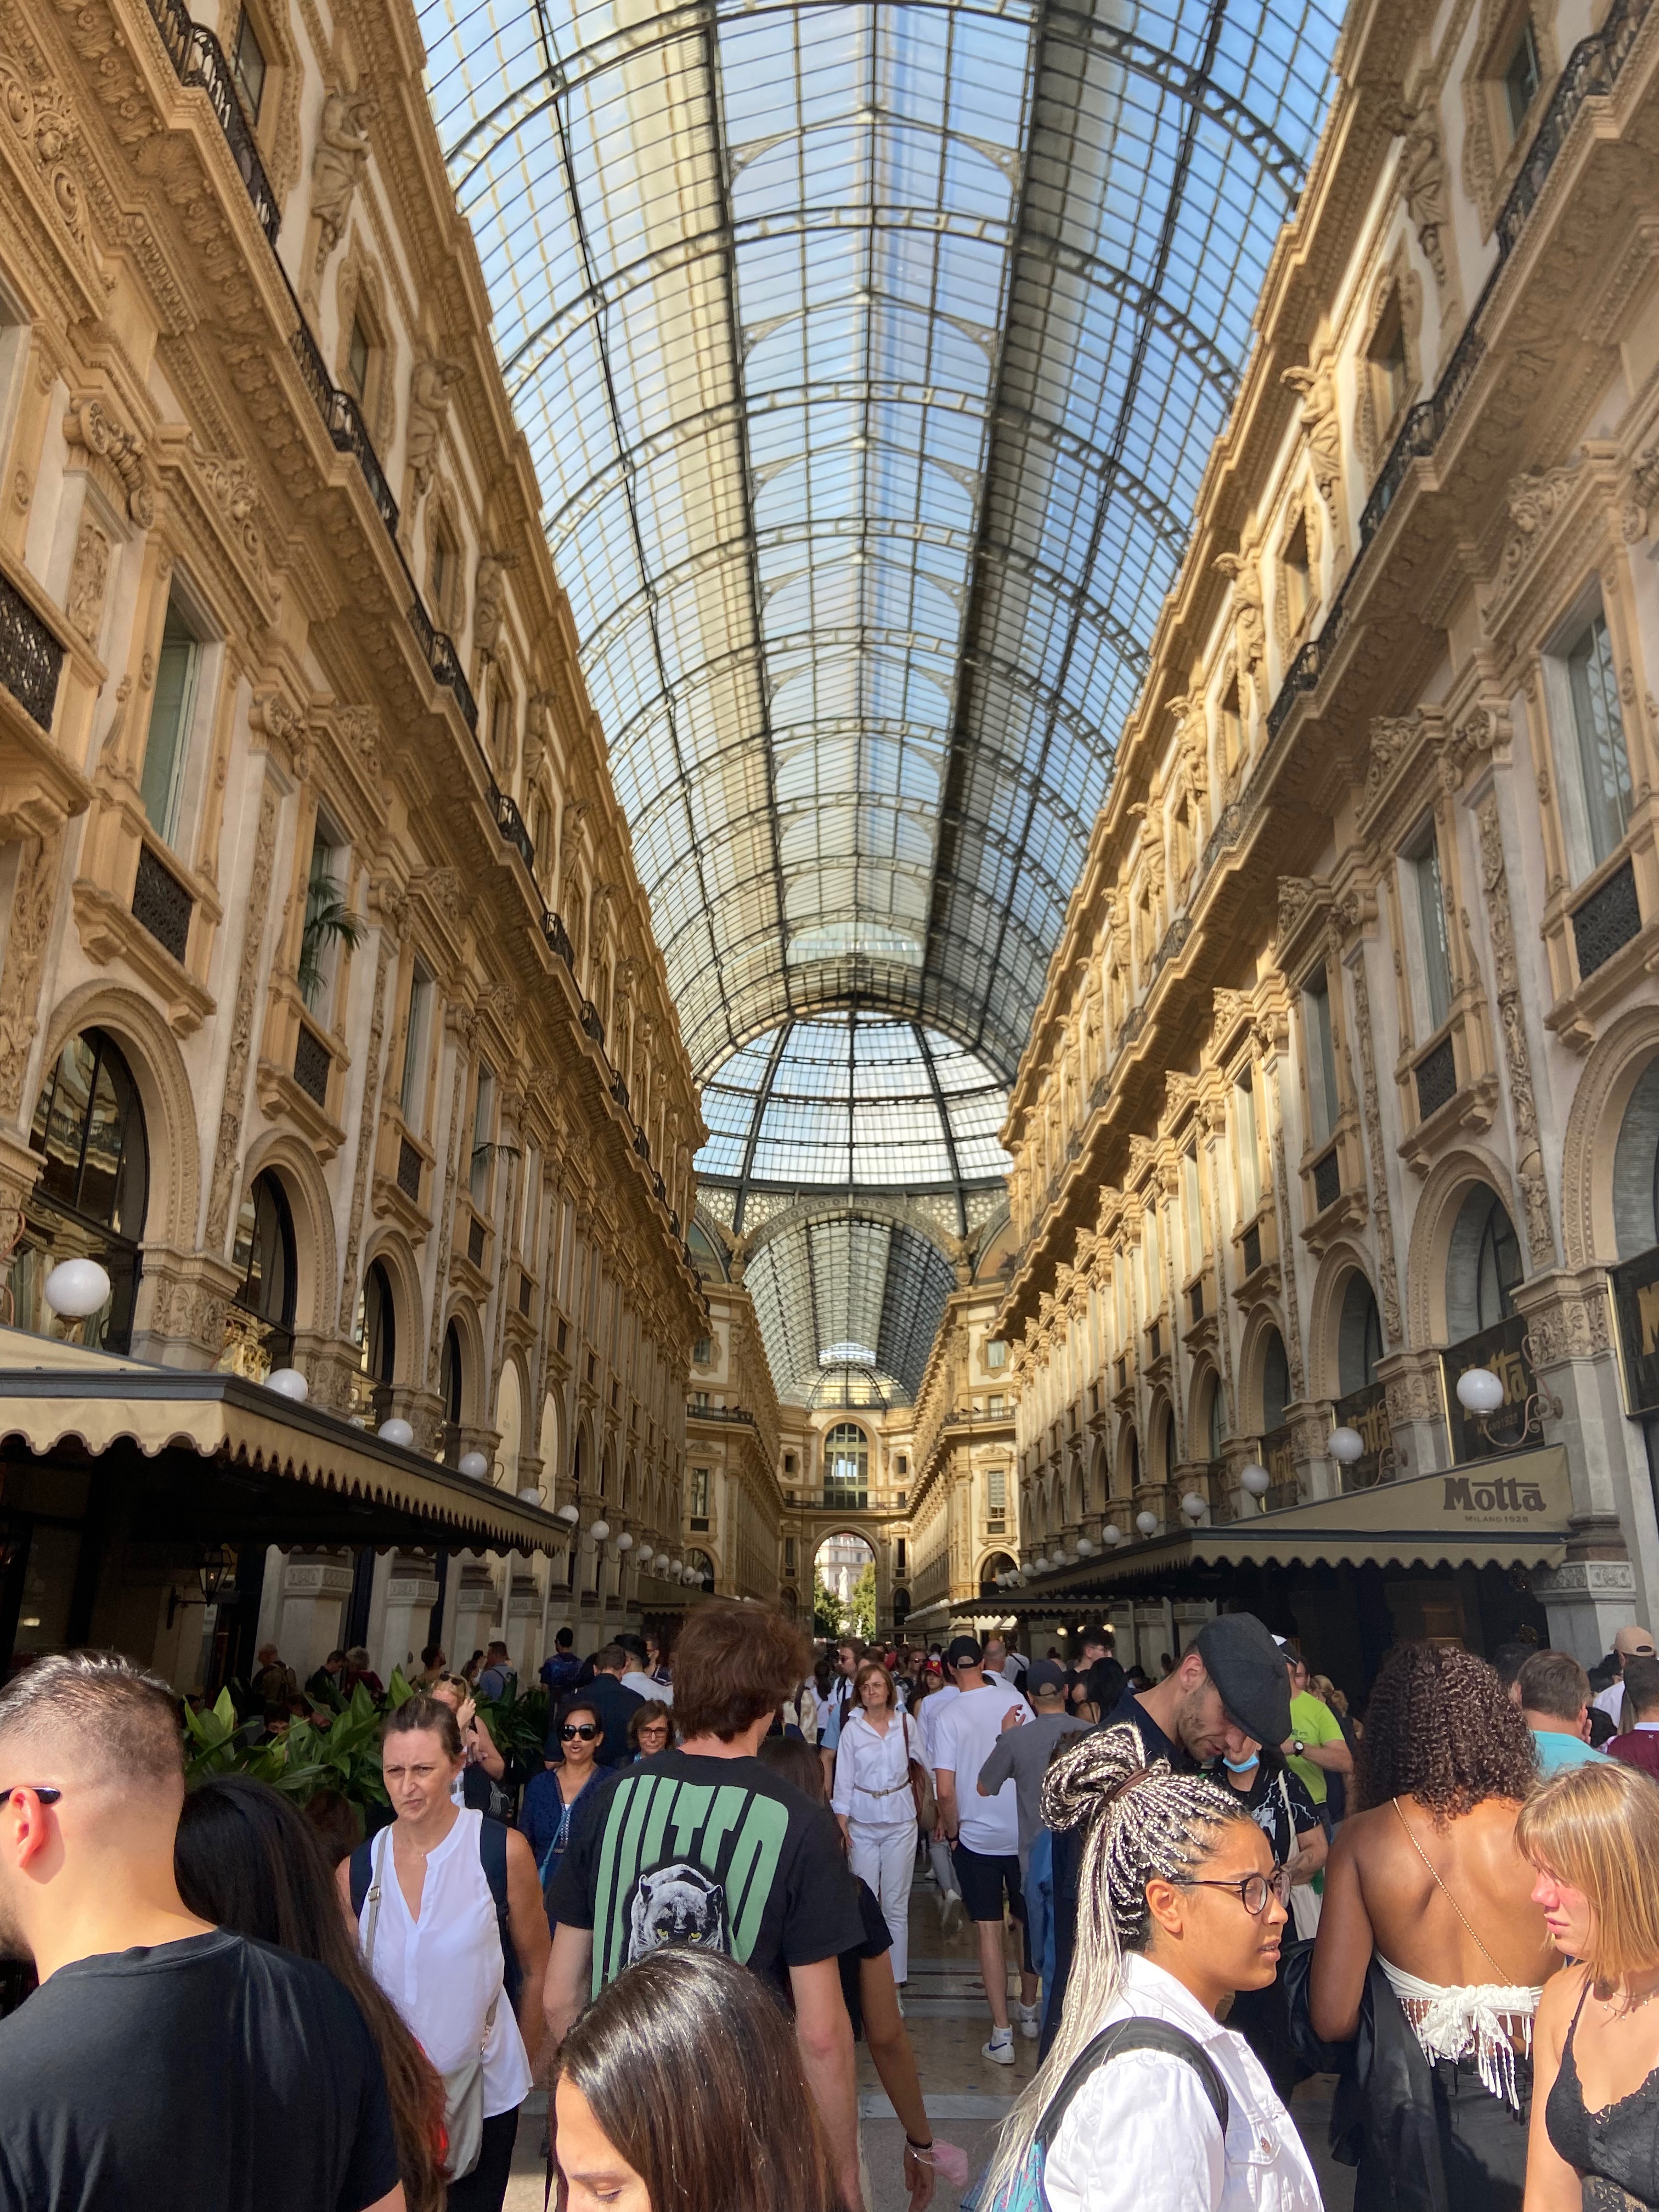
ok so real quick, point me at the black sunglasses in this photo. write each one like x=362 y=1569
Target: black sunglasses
x=585 y=1730
x=45 y=1791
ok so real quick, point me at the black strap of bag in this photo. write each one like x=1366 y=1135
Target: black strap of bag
x=1135 y=2035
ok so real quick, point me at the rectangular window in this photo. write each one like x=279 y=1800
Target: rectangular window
x=1522 y=77
x=1249 y=1157
x=994 y=1403
x=1232 y=729
x=901 y=1554
x=1389 y=367
x=1298 y=580
x=172 y=709
x=414 y=1029
x=328 y=924
x=703 y=1352
x=1191 y=1213
x=484 y=1130
x=247 y=66
x=996 y=1354
x=1603 y=763
x=440 y=573
x=1321 y=1054
x=789 y=1555
x=357 y=359
x=996 y=1489
x=1425 y=865
x=700 y=1494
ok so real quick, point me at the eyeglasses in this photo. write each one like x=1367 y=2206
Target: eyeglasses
x=585 y=1730
x=1254 y=1890
x=654 y=1728
x=45 y=1791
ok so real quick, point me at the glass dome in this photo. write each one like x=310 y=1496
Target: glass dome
x=854 y=1101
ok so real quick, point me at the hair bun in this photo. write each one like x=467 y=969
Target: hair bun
x=1095 y=1771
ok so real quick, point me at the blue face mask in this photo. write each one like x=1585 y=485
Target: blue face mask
x=1241 y=1766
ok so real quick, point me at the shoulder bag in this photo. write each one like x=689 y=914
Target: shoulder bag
x=921 y=1782
x=464 y=2085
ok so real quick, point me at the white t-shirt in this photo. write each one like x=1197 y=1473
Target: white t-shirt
x=963 y=1739
x=934 y=1706
x=647 y=1685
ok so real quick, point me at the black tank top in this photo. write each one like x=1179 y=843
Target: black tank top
x=1615 y=2150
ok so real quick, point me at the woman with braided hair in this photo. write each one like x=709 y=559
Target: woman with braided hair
x=1147 y=2103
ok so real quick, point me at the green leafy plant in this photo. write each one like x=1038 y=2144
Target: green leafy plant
x=328 y=921
x=333 y=1750
x=826 y=1609
x=518 y=1724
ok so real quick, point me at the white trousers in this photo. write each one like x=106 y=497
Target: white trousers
x=886 y=1859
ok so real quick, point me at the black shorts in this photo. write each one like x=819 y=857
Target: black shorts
x=984 y=1878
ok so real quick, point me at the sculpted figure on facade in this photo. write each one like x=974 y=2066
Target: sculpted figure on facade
x=1422 y=176
x=337 y=165
x=1250 y=618
x=1322 y=428
x=83 y=602
x=429 y=388
x=490 y=600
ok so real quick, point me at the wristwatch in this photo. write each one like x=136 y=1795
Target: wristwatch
x=1297 y=1746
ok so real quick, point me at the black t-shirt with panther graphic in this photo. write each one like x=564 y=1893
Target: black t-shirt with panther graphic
x=714 y=1853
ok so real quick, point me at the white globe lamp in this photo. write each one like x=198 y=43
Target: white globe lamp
x=530 y=1495
x=1086 y=1546
x=1480 y=1391
x=1193 y=1506
x=473 y=1464
x=288 y=1383
x=1111 y=1535
x=1346 y=1445
x=1256 y=1479
x=600 y=1531
x=396 y=1432
x=1147 y=1524
x=76 y=1289
x=624 y=1542
x=569 y=1515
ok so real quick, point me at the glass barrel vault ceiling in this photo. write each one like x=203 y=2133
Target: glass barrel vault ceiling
x=869 y=356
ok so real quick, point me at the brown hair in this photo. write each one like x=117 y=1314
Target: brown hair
x=733 y=1663
x=102 y=1718
x=247 y=1859
x=1596 y=1829
x=796 y=1763
x=1440 y=1728
x=1553 y=1682
x=609 y=1656
x=653 y=1710
x=424 y=1713
x=743 y=2135
x=1641 y=1687
x=868 y=1667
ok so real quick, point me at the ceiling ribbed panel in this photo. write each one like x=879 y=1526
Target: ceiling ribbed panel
x=869 y=357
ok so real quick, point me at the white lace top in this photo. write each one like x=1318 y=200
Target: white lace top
x=1478 y=2021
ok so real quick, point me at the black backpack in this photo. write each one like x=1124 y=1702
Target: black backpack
x=492 y=1856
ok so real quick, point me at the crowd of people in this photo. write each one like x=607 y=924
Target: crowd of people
x=1205 y=1887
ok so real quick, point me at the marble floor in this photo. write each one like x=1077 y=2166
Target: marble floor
x=966 y=2095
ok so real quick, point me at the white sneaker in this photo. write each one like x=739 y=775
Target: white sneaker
x=950 y=1913
x=1000 y=2049
x=1029 y=2018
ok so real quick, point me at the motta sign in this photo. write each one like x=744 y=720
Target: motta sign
x=1502 y=1496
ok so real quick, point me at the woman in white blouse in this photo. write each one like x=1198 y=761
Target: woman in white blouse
x=1180 y=1906
x=431 y=1935
x=873 y=1803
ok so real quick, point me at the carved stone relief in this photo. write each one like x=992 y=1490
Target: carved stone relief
x=368 y=1120
x=1534 y=1186
x=226 y=1151
x=337 y=165
x=1387 y=1278
x=33 y=897
x=1422 y=176
x=88 y=578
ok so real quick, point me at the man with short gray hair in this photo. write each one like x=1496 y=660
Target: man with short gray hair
x=161 y=2060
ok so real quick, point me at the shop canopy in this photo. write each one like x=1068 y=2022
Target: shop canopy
x=219 y=1457
x=1510 y=1510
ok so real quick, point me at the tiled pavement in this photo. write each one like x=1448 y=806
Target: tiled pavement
x=966 y=2095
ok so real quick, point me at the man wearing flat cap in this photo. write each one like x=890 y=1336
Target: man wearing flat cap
x=1229 y=1693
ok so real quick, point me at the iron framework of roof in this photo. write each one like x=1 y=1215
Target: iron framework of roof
x=870 y=355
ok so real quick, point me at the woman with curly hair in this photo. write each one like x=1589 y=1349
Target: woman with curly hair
x=1431 y=1952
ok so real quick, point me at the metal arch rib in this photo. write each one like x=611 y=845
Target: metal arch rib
x=752 y=1143
x=949 y=1133
x=1126 y=408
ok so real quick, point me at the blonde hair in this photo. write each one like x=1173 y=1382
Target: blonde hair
x=1143 y=1823
x=1595 y=1827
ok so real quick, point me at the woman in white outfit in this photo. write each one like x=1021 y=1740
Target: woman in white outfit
x=873 y=1803
x=1180 y=1906
x=431 y=1938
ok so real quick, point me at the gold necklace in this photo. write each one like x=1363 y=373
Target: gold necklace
x=1622 y=2007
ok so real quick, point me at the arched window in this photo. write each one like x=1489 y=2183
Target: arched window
x=846 y=1466
x=1482 y=1266
x=452 y=1375
x=377 y=1333
x=998 y=1562
x=1215 y=1419
x=700 y=1564
x=1275 y=1383
x=1358 y=1338
x=1636 y=1169
x=264 y=1253
x=94 y=1189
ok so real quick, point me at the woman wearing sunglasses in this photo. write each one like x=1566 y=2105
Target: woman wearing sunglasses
x=551 y=1798
x=1180 y=1907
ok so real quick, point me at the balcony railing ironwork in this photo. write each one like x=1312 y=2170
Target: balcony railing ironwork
x=31 y=658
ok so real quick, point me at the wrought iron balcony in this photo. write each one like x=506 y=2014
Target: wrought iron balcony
x=31 y=658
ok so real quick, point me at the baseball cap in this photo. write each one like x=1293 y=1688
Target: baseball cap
x=1247 y=1668
x=964 y=1651
x=1043 y=1674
